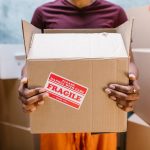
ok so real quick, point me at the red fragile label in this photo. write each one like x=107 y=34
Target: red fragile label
x=65 y=91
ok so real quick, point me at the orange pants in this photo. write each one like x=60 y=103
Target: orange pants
x=78 y=141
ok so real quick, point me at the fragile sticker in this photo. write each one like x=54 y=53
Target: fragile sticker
x=65 y=91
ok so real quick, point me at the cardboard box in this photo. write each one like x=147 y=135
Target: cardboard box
x=138 y=123
x=142 y=107
x=10 y=106
x=14 y=137
x=141 y=31
x=77 y=55
x=138 y=134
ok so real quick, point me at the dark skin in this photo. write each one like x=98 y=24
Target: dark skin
x=125 y=96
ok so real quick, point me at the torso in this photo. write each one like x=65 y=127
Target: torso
x=62 y=14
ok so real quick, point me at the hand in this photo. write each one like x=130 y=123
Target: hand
x=31 y=98
x=125 y=96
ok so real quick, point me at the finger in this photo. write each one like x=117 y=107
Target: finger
x=126 y=103
x=23 y=83
x=25 y=100
x=41 y=102
x=36 y=98
x=121 y=96
x=116 y=94
x=123 y=104
x=127 y=109
x=122 y=88
x=24 y=80
x=113 y=98
x=133 y=97
x=27 y=93
x=28 y=109
x=31 y=107
x=119 y=106
x=22 y=99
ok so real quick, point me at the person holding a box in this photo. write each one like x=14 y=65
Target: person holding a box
x=73 y=14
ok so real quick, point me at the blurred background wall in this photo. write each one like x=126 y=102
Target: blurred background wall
x=12 y=11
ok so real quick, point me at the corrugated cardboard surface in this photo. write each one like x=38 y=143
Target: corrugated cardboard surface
x=97 y=114
x=12 y=138
x=10 y=106
x=14 y=131
x=142 y=60
x=138 y=136
x=141 y=31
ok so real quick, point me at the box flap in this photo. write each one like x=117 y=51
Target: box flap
x=141 y=26
x=140 y=133
x=136 y=119
x=126 y=32
x=28 y=31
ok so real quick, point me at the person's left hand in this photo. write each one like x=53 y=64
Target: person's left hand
x=125 y=96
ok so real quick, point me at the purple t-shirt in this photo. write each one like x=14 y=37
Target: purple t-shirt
x=61 y=14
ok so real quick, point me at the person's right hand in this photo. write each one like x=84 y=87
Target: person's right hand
x=31 y=97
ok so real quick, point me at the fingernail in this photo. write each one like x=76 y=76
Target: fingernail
x=33 y=109
x=107 y=91
x=113 y=98
x=41 y=103
x=42 y=90
x=120 y=106
x=112 y=86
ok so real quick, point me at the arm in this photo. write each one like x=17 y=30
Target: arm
x=30 y=97
x=125 y=96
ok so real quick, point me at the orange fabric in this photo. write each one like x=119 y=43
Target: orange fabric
x=78 y=141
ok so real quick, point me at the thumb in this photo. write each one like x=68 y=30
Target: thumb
x=23 y=83
x=132 y=77
x=24 y=80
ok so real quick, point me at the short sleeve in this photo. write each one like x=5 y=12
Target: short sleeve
x=122 y=17
x=37 y=19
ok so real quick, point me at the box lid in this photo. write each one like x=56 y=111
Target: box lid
x=125 y=30
x=28 y=31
